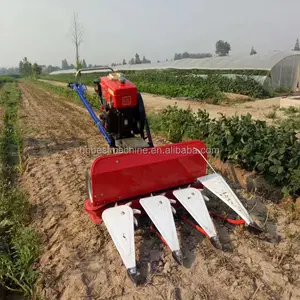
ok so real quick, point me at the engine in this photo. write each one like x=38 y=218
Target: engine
x=122 y=112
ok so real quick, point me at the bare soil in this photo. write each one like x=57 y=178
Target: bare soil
x=79 y=260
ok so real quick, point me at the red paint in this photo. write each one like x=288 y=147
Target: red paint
x=231 y=221
x=152 y=228
x=126 y=176
x=197 y=227
x=122 y=95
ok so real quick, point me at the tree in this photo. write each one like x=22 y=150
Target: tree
x=79 y=65
x=90 y=65
x=77 y=37
x=178 y=56
x=84 y=64
x=146 y=61
x=185 y=55
x=137 y=59
x=64 y=64
x=297 y=46
x=25 y=67
x=131 y=62
x=51 y=68
x=253 y=51
x=9 y=71
x=36 y=70
x=222 y=48
x=124 y=62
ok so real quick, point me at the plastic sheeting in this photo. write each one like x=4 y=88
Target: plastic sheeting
x=284 y=67
x=240 y=62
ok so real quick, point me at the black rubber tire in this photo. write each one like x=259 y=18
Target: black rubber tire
x=142 y=116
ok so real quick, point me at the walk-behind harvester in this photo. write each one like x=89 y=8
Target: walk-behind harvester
x=147 y=180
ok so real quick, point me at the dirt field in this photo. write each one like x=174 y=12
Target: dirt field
x=79 y=260
x=258 y=109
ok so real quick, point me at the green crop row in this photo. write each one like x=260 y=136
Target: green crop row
x=4 y=79
x=215 y=83
x=19 y=244
x=251 y=144
x=182 y=84
x=68 y=93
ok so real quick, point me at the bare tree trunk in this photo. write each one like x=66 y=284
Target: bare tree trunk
x=77 y=37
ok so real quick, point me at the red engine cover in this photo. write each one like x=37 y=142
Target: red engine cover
x=122 y=95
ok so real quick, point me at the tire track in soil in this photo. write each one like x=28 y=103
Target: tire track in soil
x=79 y=260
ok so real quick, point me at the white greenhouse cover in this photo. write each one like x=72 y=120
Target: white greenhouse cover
x=235 y=62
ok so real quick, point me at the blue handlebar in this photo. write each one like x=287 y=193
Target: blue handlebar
x=80 y=89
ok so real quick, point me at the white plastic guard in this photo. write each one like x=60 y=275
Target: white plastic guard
x=119 y=223
x=194 y=203
x=217 y=185
x=158 y=208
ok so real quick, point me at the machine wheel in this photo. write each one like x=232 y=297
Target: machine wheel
x=88 y=182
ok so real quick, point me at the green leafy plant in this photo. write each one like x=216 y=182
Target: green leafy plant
x=190 y=84
x=252 y=144
x=292 y=120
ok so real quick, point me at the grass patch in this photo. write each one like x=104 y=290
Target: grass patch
x=19 y=244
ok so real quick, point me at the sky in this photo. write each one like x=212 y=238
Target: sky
x=117 y=29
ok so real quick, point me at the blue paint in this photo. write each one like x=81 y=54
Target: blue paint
x=80 y=89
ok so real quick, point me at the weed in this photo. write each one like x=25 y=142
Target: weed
x=292 y=119
x=291 y=110
x=19 y=245
x=271 y=114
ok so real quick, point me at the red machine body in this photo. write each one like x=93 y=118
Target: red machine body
x=156 y=182
x=128 y=176
x=119 y=94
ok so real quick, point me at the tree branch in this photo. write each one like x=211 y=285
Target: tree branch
x=77 y=33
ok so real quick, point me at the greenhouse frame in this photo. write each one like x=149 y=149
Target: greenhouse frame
x=281 y=68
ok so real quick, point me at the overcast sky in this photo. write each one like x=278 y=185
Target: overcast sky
x=117 y=29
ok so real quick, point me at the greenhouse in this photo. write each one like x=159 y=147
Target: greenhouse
x=281 y=69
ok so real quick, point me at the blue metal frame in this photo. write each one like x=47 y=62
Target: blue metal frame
x=80 y=89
